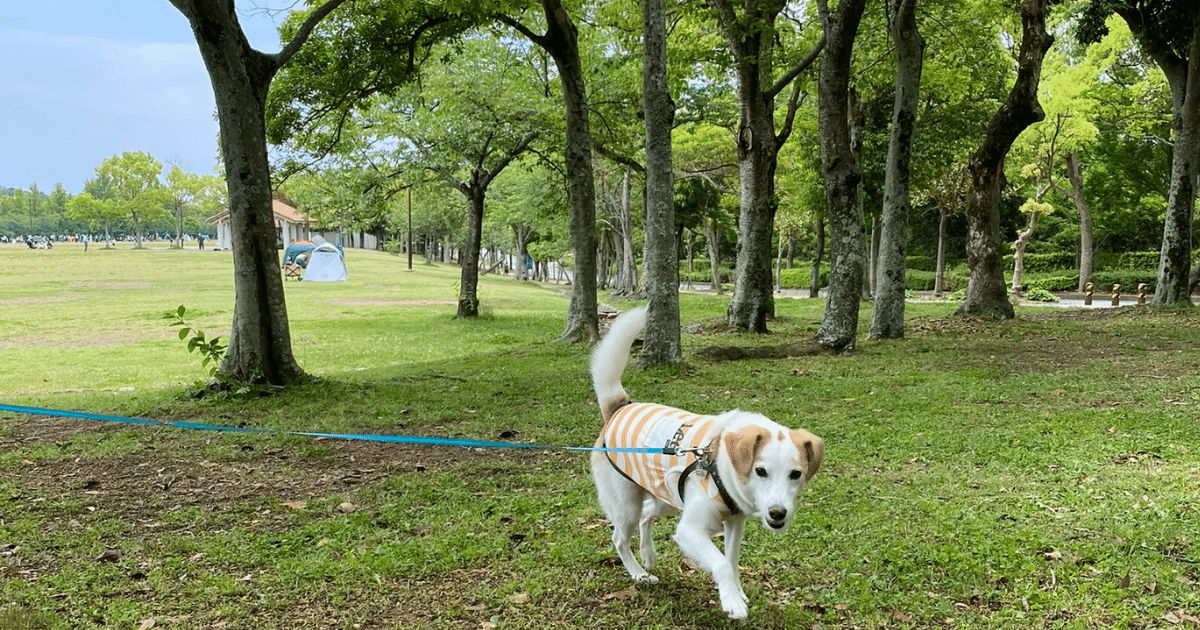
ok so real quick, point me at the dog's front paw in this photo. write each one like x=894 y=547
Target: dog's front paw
x=645 y=578
x=735 y=605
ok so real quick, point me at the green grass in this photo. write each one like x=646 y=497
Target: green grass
x=1035 y=473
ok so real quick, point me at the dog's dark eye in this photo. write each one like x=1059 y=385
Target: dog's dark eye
x=796 y=474
x=760 y=471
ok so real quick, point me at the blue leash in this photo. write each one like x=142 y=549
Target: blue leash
x=393 y=439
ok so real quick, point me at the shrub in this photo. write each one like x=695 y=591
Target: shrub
x=918 y=280
x=1138 y=260
x=921 y=263
x=1054 y=283
x=1040 y=295
x=1127 y=278
x=798 y=277
x=1044 y=263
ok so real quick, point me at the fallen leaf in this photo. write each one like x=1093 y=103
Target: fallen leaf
x=1053 y=555
x=841 y=606
x=487 y=625
x=347 y=507
x=109 y=555
x=295 y=505
x=146 y=624
x=324 y=541
x=1124 y=581
x=476 y=607
x=622 y=595
x=519 y=598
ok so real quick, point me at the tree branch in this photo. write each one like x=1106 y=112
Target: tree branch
x=304 y=31
x=795 y=70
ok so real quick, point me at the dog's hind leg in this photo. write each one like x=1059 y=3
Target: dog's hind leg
x=621 y=501
x=652 y=510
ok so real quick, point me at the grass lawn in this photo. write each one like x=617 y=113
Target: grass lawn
x=1036 y=473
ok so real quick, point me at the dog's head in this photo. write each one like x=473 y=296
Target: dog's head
x=773 y=464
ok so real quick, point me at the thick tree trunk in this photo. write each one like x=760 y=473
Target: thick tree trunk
x=662 y=340
x=1175 y=258
x=751 y=40
x=756 y=149
x=260 y=348
x=1075 y=176
x=887 y=320
x=842 y=174
x=986 y=291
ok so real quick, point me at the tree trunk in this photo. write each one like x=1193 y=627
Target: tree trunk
x=468 y=284
x=842 y=174
x=260 y=348
x=814 y=278
x=887 y=320
x=627 y=276
x=562 y=42
x=939 y=274
x=662 y=341
x=712 y=239
x=1175 y=258
x=137 y=231
x=1075 y=176
x=756 y=149
x=521 y=239
x=986 y=295
x=1019 y=253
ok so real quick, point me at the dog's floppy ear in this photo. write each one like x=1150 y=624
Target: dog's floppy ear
x=742 y=447
x=813 y=448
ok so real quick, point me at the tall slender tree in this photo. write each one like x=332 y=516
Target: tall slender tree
x=1169 y=31
x=842 y=172
x=561 y=41
x=987 y=294
x=887 y=320
x=662 y=345
x=751 y=36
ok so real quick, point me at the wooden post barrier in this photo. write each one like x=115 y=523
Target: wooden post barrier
x=1087 y=294
x=1116 y=295
x=1141 y=294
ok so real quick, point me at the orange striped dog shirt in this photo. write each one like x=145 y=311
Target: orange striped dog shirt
x=681 y=434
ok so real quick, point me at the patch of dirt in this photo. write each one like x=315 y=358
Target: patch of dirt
x=165 y=475
x=354 y=302
x=90 y=284
x=26 y=301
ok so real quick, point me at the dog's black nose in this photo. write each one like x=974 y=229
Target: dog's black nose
x=777 y=514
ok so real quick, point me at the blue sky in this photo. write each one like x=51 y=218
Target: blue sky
x=81 y=81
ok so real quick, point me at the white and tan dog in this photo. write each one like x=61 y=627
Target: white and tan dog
x=713 y=470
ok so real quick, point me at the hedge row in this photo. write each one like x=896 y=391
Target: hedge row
x=1102 y=281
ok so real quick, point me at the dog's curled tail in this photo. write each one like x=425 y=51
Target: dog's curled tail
x=612 y=354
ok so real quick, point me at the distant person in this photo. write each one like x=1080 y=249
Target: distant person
x=84 y=238
x=200 y=239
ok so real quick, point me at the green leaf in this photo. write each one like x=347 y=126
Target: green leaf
x=183 y=333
